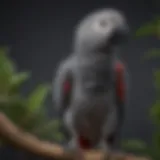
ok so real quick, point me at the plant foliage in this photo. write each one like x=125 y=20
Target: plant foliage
x=27 y=112
x=151 y=28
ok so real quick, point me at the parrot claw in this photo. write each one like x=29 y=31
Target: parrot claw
x=73 y=148
x=106 y=149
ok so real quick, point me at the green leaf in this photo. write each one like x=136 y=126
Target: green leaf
x=35 y=103
x=155 y=112
x=150 y=28
x=55 y=136
x=50 y=130
x=6 y=63
x=46 y=126
x=157 y=79
x=15 y=108
x=158 y=28
x=7 y=69
x=146 y=30
x=135 y=145
x=28 y=113
x=59 y=137
x=32 y=121
x=155 y=154
x=153 y=53
x=37 y=98
x=17 y=80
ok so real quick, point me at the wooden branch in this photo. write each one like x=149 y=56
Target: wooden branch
x=18 y=138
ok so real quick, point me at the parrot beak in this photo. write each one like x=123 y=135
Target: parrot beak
x=119 y=36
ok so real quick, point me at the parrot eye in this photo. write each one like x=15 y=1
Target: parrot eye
x=100 y=26
x=103 y=23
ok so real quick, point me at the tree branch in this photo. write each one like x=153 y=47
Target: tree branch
x=18 y=138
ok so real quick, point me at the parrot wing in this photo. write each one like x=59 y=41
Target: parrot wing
x=121 y=91
x=62 y=86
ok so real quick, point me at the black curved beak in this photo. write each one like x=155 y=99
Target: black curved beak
x=119 y=36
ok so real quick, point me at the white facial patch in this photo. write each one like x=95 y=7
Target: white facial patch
x=97 y=27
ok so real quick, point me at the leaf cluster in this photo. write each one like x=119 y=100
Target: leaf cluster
x=138 y=146
x=27 y=112
x=151 y=28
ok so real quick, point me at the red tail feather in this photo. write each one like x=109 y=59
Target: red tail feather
x=84 y=143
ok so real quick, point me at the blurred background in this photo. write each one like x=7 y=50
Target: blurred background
x=39 y=34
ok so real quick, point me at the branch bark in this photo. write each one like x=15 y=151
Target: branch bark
x=18 y=138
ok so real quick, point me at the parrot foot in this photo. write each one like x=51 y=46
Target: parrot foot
x=73 y=148
x=107 y=149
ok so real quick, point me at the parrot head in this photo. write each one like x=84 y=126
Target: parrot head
x=100 y=30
